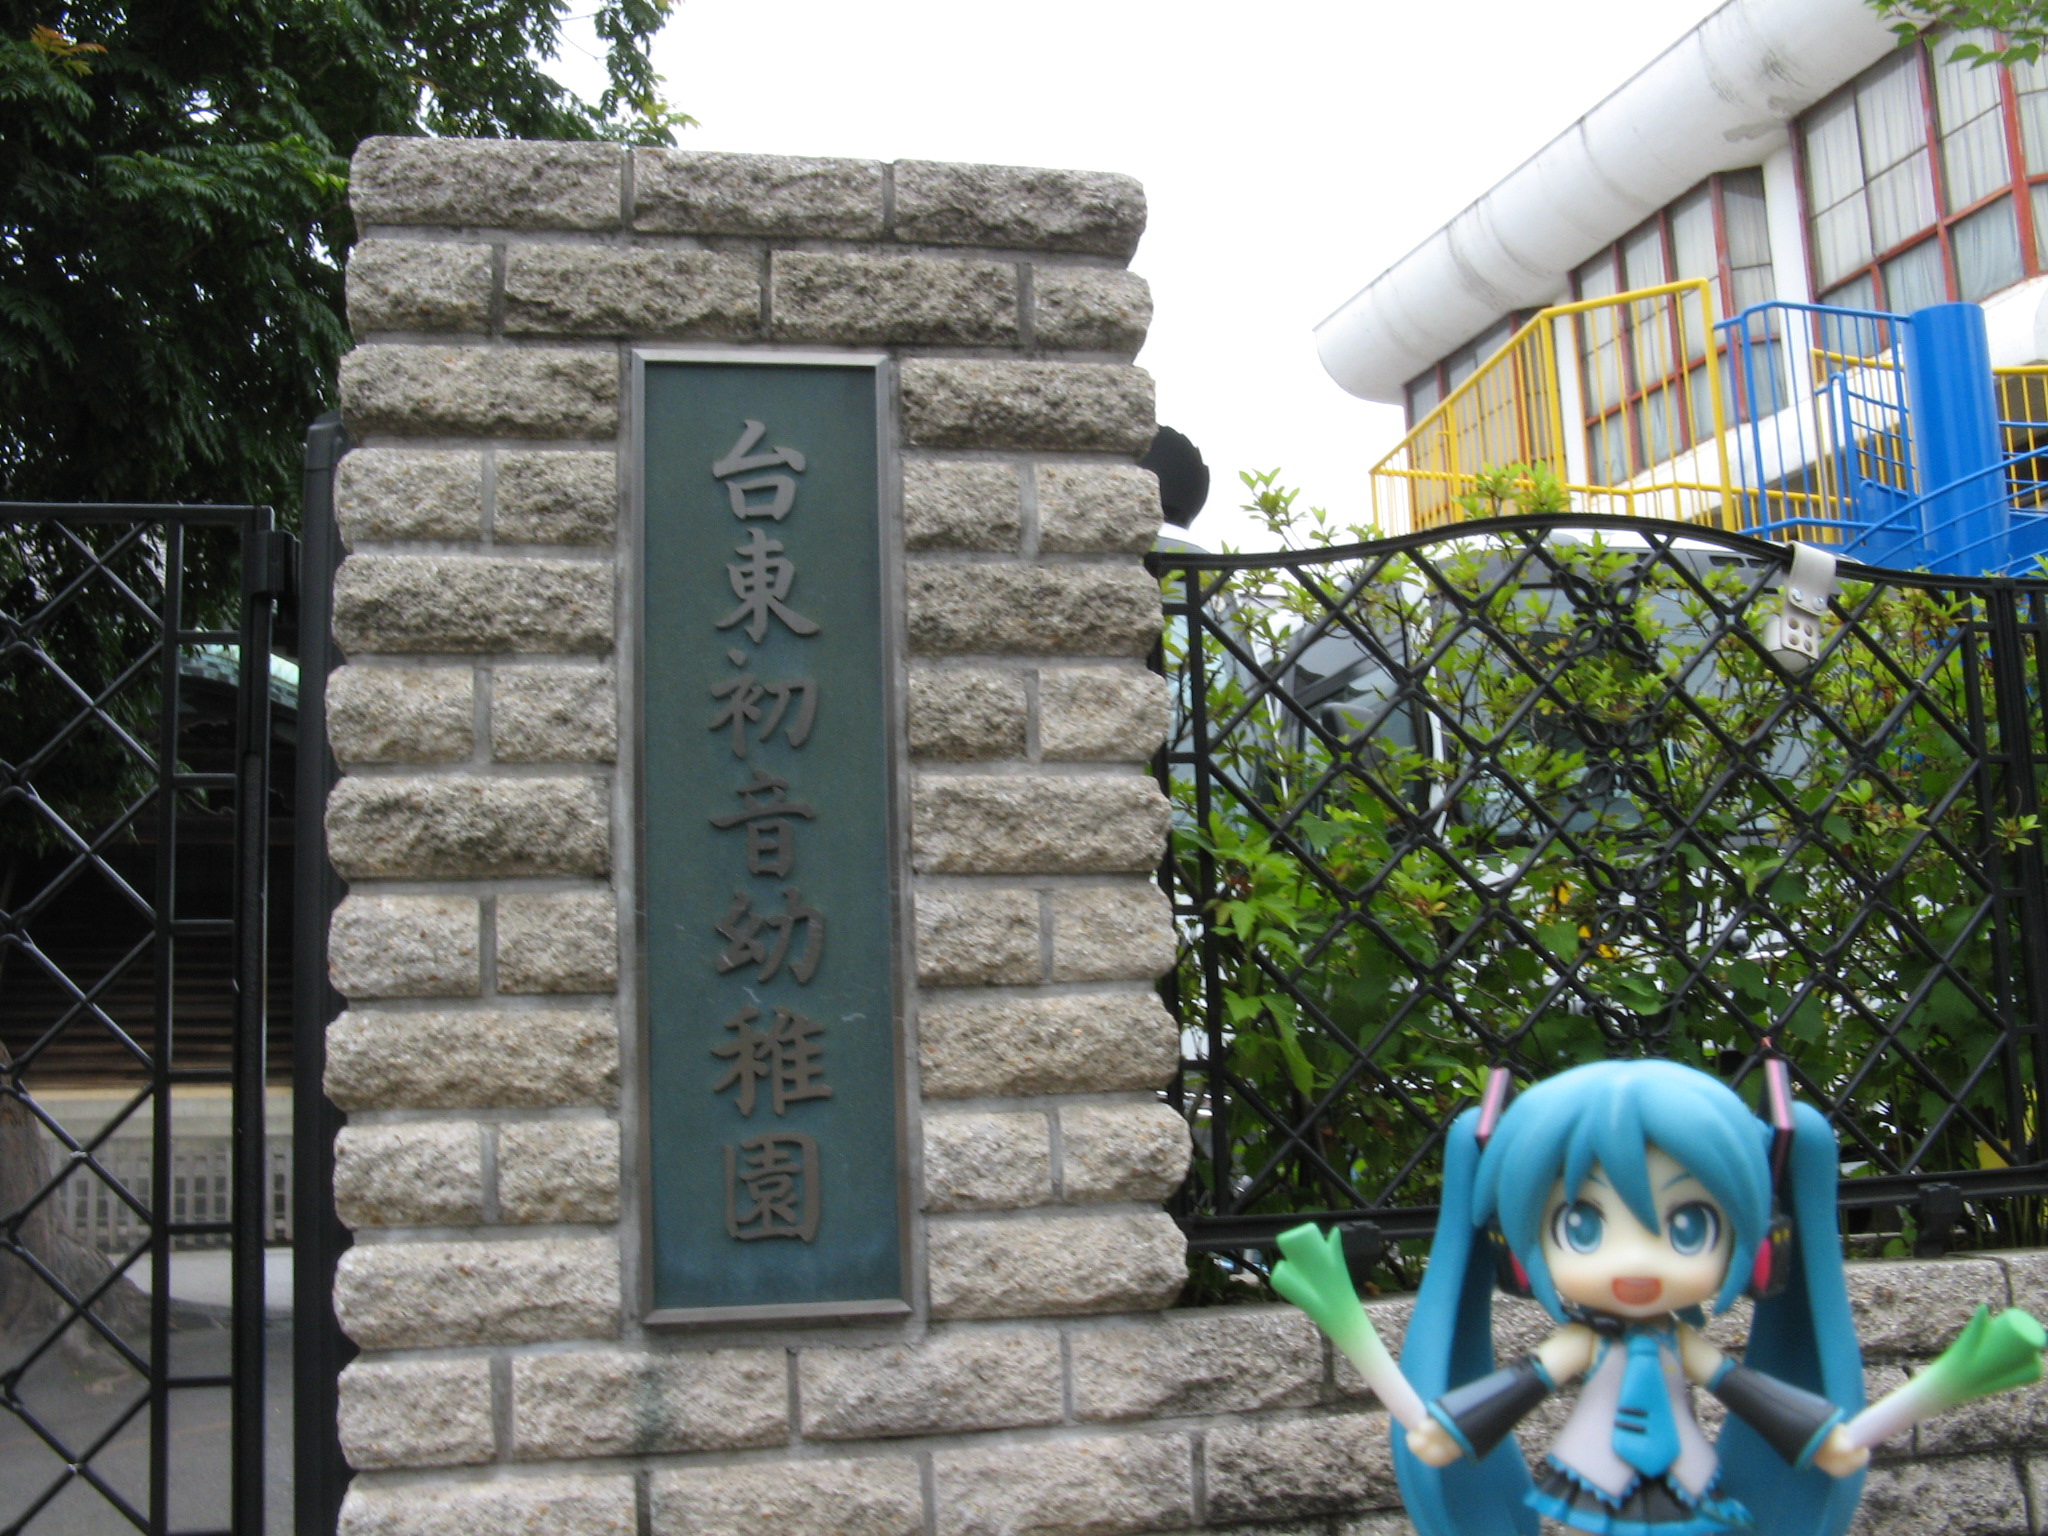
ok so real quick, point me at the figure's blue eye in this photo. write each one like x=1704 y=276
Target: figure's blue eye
x=1693 y=1228
x=1580 y=1227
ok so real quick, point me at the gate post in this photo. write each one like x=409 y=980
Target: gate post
x=319 y=1348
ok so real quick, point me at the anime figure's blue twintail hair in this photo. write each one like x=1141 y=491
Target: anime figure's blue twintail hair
x=1610 y=1113
x=1450 y=1342
x=1805 y=1335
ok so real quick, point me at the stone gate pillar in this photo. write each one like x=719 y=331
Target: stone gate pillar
x=490 y=1057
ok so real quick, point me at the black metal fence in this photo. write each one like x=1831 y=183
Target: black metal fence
x=136 y=687
x=1536 y=791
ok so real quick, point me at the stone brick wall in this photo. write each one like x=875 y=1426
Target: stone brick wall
x=485 y=1060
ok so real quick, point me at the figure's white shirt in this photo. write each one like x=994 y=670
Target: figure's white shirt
x=1586 y=1443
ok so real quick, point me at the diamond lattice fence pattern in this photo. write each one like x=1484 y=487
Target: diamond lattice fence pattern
x=120 y=1008
x=1534 y=793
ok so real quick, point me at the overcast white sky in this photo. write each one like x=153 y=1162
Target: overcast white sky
x=1289 y=151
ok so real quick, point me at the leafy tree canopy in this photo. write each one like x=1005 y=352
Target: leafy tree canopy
x=173 y=214
x=2024 y=24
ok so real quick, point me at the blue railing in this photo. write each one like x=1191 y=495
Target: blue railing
x=1881 y=435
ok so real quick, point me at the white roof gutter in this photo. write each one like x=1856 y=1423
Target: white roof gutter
x=1716 y=100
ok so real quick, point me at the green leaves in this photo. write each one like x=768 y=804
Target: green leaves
x=1530 y=489
x=174 y=220
x=2024 y=23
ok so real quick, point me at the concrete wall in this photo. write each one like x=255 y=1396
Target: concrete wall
x=487 y=1056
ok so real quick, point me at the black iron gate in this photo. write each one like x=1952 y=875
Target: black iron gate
x=1535 y=791
x=136 y=1195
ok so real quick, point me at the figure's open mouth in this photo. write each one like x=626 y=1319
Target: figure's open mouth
x=1637 y=1290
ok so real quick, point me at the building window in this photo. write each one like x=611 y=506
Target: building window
x=1927 y=181
x=1643 y=368
x=1428 y=388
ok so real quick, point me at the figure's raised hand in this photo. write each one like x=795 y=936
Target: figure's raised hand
x=1839 y=1456
x=1433 y=1445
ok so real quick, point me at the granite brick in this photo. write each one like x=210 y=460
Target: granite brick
x=1021 y=207
x=1032 y=610
x=614 y=1403
x=979 y=1162
x=497 y=183
x=401 y=714
x=971 y=936
x=468 y=828
x=419 y=285
x=1111 y=933
x=954 y=1381
x=558 y=1171
x=469 y=603
x=529 y=1059
x=606 y=290
x=959 y=714
x=1122 y=1151
x=1333 y=1464
x=679 y=191
x=962 y=504
x=407 y=493
x=1018 y=824
x=1101 y=1485
x=416 y=1413
x=1054 y=1266
x=853 y=300
x=558 y=941
x=437 y=1295
x=870 y=1496
x=1103 y=714
x=1090 y=309
x=993 y=403
x=1011 y=1045
x=440 y=391
x=404 y=946
x=527 y=1506
x=420 y=1174
x=545 y=714
x=1087 y=509
x=1187 y=1363
x=556 y=496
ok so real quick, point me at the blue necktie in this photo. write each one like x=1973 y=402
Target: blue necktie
x=1644 y=1435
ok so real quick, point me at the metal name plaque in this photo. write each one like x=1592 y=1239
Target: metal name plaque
x=769 y=915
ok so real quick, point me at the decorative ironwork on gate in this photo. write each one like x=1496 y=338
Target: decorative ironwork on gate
x=135 y=706
x=1536 y=791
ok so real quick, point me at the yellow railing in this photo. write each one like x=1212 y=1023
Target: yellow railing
x=1635 y=423
x=2022 y=394
x=2023 y=423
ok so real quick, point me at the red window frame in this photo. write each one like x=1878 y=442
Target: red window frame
x=2019 y=185
x=1633 y=404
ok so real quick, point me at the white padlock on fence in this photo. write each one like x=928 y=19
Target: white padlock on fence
x=1793 y=636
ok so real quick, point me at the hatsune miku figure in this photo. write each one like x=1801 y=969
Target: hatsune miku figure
x=1629 y=1197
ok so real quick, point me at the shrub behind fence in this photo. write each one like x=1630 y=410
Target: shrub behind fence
x=1533 y=792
